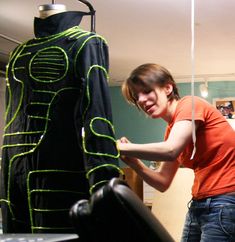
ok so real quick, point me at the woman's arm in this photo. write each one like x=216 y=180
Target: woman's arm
x=159 y=179
x=180 y=136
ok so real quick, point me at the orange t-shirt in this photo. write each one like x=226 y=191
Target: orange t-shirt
x=214 y=161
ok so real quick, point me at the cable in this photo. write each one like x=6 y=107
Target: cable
x=10 y=39
x=193 y=77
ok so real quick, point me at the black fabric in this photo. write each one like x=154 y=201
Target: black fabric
x=58 y=143
x=114 y=206
x=57 y=23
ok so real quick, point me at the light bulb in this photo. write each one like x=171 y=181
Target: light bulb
x=204 y=90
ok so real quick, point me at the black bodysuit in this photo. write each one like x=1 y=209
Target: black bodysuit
x=59 y=144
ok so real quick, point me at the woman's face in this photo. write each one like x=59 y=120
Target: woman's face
x=153 y=101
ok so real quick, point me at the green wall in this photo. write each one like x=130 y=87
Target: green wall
x=132 y=123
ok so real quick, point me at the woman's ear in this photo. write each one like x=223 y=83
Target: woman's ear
x=168 y=89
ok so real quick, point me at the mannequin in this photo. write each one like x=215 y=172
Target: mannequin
x=50 y=9
x=59 y=145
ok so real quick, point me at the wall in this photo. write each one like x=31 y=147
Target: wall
x=2 y=108
x=170 y=207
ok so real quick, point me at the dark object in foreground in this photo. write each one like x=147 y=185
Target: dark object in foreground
x=115 y=213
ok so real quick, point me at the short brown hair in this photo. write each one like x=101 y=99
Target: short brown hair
x=148 y=75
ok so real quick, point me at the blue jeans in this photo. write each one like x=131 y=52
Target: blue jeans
x=210 y=220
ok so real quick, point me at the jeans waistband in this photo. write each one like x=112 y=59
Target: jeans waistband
x=215 y=201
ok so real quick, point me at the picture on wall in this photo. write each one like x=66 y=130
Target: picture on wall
x=227 y=108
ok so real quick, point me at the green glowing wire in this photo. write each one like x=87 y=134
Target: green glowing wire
x=29 y=191
x=99 y=135
x=103 y=166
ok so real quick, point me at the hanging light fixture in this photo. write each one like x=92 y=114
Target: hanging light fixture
x=204 y=89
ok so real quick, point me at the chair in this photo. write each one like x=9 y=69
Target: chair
x=115 y=213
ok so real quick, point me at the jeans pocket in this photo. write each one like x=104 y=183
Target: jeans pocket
x=227 y=219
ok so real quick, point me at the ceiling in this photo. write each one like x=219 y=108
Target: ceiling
x=144 y=31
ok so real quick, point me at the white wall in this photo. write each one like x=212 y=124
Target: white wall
x=2 y=108
x=170 y=207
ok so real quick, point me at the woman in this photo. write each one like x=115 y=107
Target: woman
x=211 y=216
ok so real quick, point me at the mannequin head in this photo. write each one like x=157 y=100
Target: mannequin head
x=47 y=10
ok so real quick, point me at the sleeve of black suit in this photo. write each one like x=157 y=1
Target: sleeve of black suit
x=98 y=136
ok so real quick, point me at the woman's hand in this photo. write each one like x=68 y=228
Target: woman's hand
x=130 y=161
x=160 y=179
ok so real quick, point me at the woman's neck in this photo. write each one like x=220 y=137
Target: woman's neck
x=50 y=9
x=171 y=111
